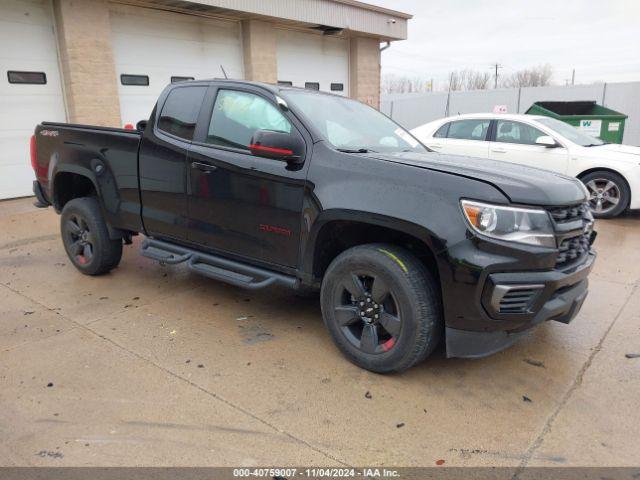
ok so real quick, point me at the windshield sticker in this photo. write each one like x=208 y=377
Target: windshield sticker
x=406 y=137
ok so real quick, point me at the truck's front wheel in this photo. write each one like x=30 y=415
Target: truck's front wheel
x=382 y=307
x=86 y=238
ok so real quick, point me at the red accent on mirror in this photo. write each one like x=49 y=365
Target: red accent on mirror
x=128 y=126
x=264 y=148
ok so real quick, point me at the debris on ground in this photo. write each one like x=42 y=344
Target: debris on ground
x=368 y=395
x=104 y=298
x=49 y=453
x=526 y=399
x=172 y=332
x=200 y=365
x=50 y=384
x=535 y=363
x=440 y=462
x=400 y=425
x=188 y=361
x=241 y=318
x=632 y=355
x=30 y=312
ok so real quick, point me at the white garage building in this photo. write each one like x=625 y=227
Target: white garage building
x=105 y=62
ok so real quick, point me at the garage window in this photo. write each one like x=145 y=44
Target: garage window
x=136 y=80
x=285 y=83
x=29 y=78
x=312 y=85
x=181 y=79
x=180 y=111
x=337 y=87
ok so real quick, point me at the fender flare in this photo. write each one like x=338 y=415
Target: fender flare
x=424 y=235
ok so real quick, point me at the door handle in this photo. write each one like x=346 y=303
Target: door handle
x=204 y=167
x=498 y=150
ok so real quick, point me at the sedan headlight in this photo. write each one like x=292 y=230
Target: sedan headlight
x=512 y=224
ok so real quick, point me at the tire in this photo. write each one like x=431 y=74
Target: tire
x=411 y=308
x=86 y=239
x=605 y=187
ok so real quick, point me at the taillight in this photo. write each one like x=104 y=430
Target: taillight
x=34 y=153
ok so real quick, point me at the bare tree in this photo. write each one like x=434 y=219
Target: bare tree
x=538 y=76
x=401 y=84
x=468 y=79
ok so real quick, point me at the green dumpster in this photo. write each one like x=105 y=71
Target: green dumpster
x=587 y=116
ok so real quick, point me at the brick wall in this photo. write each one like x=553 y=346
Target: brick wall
x=364 y=69
x=88 y=70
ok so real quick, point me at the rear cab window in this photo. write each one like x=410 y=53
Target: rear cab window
x=180 y=111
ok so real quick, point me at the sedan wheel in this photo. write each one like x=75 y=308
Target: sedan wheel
x=609 y=193
x=604 y=195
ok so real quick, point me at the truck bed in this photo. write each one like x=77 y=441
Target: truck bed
x=108 y=156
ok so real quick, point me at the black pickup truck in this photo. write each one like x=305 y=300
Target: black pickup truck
x=257 y=185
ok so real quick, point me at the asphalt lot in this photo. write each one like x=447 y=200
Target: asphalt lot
x=153 y=365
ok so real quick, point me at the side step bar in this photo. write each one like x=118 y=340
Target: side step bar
x=213 y=266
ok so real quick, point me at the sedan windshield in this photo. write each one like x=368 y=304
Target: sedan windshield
x=571 y=133
x=352 y=126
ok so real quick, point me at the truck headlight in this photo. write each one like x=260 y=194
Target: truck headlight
x=511 y=224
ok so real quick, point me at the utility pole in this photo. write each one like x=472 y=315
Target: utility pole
x=496 y=66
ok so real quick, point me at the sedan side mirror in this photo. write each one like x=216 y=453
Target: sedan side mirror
x=547 y=141
x=141 y=126
x=277 y=146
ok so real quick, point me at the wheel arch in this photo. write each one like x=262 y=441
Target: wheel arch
x=581 y=175
x=72 y=183
x=340 y=230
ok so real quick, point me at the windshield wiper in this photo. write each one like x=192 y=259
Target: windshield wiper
x=596 y=144
x=356 y=150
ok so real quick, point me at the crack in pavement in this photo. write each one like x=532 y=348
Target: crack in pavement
x=185 y=380
x=574 y=386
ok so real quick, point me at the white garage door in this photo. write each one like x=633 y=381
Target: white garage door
x=152 y=46
x=313 y=61
x=30 y=89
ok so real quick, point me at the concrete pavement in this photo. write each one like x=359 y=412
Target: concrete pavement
x=153 y=365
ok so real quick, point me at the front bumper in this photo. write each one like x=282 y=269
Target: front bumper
x=559 y=295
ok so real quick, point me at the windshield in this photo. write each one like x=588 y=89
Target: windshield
x=570 y=133
x=351 y=125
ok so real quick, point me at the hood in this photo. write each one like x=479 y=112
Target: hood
x=612 y=151
x=520 y=184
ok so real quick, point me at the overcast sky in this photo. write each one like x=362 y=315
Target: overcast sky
x=599 y=38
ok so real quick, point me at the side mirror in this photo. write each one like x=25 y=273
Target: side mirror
x=547 y=141
x=277 y=146
x=141 y=126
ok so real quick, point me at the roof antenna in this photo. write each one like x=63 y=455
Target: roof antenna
x=225 y=73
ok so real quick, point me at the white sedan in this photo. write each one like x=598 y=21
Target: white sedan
x=610 y=172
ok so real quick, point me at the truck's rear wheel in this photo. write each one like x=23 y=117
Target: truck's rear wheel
x=86 y=238
x=382 y=307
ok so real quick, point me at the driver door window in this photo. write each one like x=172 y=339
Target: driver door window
x=236 y=117
x=516 y=132
x=515 y=142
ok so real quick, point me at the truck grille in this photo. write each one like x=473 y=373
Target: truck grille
x=573 y=227
x=573 y=249
x=570 y=214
